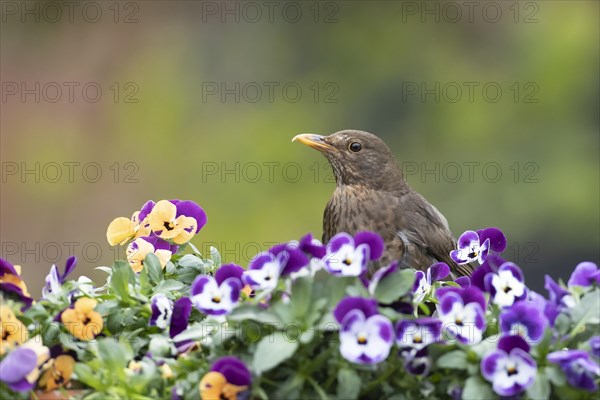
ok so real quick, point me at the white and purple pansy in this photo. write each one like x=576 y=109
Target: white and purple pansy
x=350 y=256
x=162 y=310
x=470 y=249
x=54 y=279
x=265 y=268
x=462 y=312
x=416 y=361
x=366 y=337
x=424 y=280
x=524 y=319
x=580 y=370
x=218 y=295
x=509 y=368
x=418 y=333
x=585 y=274
x=560 y=297
x=506 y=286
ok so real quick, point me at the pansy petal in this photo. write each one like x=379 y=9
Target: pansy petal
x=496 y=237
x=119 y=231
x=439 y=271
x=468 y=237
x=373 y=240
x=509 y=343
x=339 y=240
x=312 y=246
x=367 y=306
x=234 y=370
x=585 y=274
x=191 y=209
x=181 y=314
x=228 y=271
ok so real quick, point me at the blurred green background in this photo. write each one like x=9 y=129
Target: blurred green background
x=525 y=159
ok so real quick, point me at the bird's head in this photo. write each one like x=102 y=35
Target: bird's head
x=357 y=158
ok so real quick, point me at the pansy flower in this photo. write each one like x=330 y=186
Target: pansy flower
x=491 y=265
x=506 y=286
x=595 y=346
x=418 y=333
x=509 y=368
x=228 y=378
x=218 y=295
x=424 y=280
x=20 y=369
x=162 y=310
x=350 y=256
x=462 y=312
x=580 y=370
x=366 y=337
x=470 y=249
x=58 y=373
x=524 y=319
x=82 y=321
x=12 y=330
x=180 y=316
x=585 y=274
x=122 y=229
x=141 y=247
x=176 y=220
x=54 y=280
x=11 y=282
x=265 y=268
x=316 y=252
x=416 y=361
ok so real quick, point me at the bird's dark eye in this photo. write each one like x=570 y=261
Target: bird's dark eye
x=355 y=147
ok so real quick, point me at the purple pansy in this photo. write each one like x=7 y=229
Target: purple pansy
x=54 y=279
x=524 y=319
x=491 y=265
x=265 y=268
x=418 y=333
x=462 y=312
x=585 y=274
x=595 y=346
x=366 y=337
x=470 y=249
x=179 y=322
x=507 y=285
x=218 y=295
x=162 y=310
x=349 y=256
x=20 y=368
x=509 y=368
x=312 y=246
x=558 y=295
x=549 y=309
x=424 y=280
x=496 y=237
x=580 y=370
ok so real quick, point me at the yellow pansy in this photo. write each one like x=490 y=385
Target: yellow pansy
x=82 y=321
x=165 y=223
x=12 y=330
x=141 y=247
x=58 y=373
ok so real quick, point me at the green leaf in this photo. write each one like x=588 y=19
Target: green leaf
x=540 y=390
x=394 y=286
x=199 y=331
x=152 y=265
x=476 y=389
x=85 y=374
x=271 y=351
x=456 y=359
x=253 y=312
x=555 y=375
x=348 y=386
x=215 y=256
x=115 y=355
x=587 y=311
x=119 y=281
x=190 y=260
x=562 y=323
x=168 y=286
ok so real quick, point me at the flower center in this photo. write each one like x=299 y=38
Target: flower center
x=361 y=339
x=216 y=299
x=347 y=261
x=417 y=338
x=511 y=369
x=459 y=320
x=507 y=289
x=169 y=225
x=268 y=278
x=473 y=254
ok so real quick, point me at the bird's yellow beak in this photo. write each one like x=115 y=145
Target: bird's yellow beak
x=314 y=141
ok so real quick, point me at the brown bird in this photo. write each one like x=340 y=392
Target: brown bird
x=371 y=194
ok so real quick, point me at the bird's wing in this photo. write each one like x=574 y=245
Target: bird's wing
x=425 y=234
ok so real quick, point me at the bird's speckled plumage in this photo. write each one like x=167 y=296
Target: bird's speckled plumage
x=371 y=194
